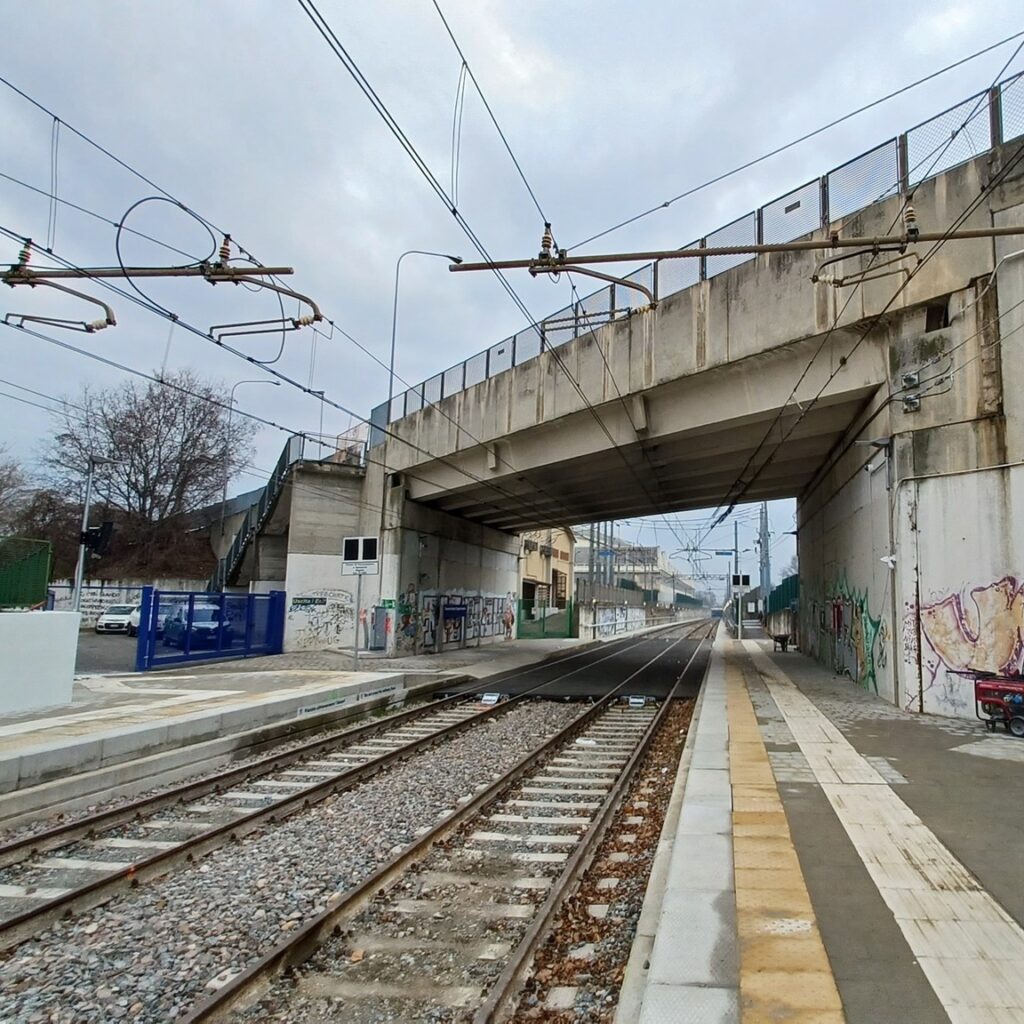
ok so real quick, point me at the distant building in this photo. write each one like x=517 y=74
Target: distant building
x=546 y=567
x=634 y=567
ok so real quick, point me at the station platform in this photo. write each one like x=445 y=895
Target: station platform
x=829 y=858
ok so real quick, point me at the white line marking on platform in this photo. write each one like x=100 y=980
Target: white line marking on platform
x=962 y=938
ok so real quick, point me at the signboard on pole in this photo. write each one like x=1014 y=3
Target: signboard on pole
x=359 y=557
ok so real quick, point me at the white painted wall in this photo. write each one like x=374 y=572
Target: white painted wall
x=99 y=595
x=320 y=606
x=38 y=651
x=961 y=575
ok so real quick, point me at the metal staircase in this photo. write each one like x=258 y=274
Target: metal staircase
x=258 y=513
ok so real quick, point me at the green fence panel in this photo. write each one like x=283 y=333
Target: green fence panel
x=538 y=619
x=785 y=595
x=24 y=572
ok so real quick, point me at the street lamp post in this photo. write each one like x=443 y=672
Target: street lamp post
x=391 y=359
x=394 y=314
x=83 y=551
x=227 y=440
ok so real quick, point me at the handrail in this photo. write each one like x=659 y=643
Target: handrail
x=257 y=512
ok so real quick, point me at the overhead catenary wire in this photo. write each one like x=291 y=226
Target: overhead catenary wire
x=520 y=499
x=96 y=216
x=806 y=408
x=210 y=224
x=578 y=302
x=163 y=382
x=500 y=491
x=340 y=52
x=795 y=142
x=745 y=486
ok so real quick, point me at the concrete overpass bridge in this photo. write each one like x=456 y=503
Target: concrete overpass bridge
x=751 y=378
x=666 y=409
x=891 y=407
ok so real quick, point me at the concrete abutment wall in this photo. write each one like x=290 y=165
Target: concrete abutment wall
x=911 y=551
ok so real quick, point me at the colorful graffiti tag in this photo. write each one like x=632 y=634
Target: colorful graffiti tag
x=843 y=632
x=980 y=629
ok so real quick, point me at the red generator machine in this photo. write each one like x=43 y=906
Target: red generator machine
x=999 y=699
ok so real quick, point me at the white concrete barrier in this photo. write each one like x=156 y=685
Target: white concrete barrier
x=37 y=659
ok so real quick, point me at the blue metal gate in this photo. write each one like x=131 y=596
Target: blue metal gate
x=182 y=626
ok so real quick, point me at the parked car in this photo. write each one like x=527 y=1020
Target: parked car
x=206 y=626
x=116 y=619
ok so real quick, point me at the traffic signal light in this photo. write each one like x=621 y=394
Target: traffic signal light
x=97 y=538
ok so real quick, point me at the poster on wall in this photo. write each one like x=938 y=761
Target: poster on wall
x=454 y=614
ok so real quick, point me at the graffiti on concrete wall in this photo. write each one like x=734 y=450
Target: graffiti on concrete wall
x=976 y=628
x=428 y=620
x=842 y=631
x=317 y=619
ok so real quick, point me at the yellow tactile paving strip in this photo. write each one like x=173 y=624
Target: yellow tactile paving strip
x=784 y=970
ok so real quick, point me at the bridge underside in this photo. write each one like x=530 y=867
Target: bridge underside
x=681 y=445
x=687 y=470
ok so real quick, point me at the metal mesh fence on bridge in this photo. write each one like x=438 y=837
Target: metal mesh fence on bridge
x=24 y=572
x=964 y=131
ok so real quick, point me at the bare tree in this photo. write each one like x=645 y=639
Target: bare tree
x=172 y=448
x=13 y=489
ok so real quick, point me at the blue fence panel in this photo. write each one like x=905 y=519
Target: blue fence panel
x=183 y=626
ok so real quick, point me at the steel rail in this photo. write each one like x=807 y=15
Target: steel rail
x=61 y=835
x=500 y=999
x=23 y=926
x=308 y=938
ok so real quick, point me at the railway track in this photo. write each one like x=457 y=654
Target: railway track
x=70 y=868
x=447 y=928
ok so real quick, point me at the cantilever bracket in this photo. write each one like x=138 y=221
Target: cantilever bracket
x=557 y=267
x=13 y=279
x=217 y=275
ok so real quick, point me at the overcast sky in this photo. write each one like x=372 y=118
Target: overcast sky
x=242 y=112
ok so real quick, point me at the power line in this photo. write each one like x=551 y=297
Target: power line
x=92 y=213
x=795 y=142
x=339 y=51
x=572 y=284
x=153 y=307
x=745 y=487
x=877 y=318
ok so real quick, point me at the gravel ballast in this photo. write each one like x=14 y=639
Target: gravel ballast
x=150 y=955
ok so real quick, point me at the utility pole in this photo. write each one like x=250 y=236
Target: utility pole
x=83 y=548
x=766 y=563
x=739 y=589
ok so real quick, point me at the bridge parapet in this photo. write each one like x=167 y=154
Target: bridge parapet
x=972 y=126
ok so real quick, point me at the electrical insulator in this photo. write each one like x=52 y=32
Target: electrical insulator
x=546 y=241
x=225 y=249
x=303 y=321
x=910 y=222
x=26 y=253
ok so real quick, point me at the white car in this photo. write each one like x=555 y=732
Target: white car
x=116 y=619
